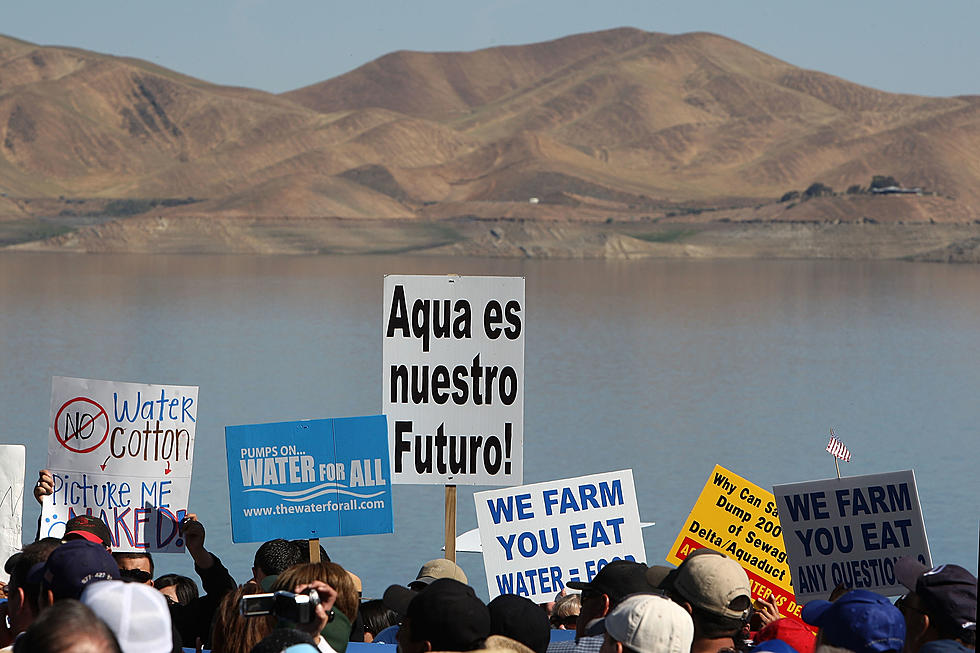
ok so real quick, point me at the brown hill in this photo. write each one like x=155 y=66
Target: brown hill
x=619 y=125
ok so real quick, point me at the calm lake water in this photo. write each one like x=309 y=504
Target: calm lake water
x=665 y=367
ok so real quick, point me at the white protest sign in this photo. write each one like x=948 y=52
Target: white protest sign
x=12 y=457
x=122 y=452
x=851 y=530
x=453 y=386
x=538 y=537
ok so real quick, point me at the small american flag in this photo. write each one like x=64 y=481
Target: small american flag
x=836 y=448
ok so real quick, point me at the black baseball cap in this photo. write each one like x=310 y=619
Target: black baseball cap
x=948 y=592
x=521 y=619
x=447 y=613
x=617 y=580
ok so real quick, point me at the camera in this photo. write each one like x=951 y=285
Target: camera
x=297 y=608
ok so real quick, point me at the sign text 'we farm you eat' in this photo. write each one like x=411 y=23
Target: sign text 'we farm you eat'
x=453 y=379
x=122 y=452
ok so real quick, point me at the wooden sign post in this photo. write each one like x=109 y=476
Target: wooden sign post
x=451 y=523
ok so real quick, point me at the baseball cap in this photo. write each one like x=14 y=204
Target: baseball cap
x=87 y=526
x=948 y=592
x=136 y=613
x=439 y=568
x=714 y=583
x=447 y=613
x=790 y=631
x=773 y=646
x=72 y=566
x=649 y=623
x=617 y=580
x=860 y=621
x=520 y=619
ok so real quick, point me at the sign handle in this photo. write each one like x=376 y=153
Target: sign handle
x=451 y=523
x=314 y=549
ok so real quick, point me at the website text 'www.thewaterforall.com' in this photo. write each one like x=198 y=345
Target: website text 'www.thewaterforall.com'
x=329 y=506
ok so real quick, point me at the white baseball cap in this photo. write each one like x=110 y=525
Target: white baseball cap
x=649 y=623
x=136 y=613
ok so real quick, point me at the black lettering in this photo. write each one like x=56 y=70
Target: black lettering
x=513 y=315
x=398 y=316
x=491 y=319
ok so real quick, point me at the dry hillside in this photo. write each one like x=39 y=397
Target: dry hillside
x=621 y=126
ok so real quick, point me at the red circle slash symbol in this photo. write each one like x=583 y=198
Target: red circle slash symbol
x=82 y=419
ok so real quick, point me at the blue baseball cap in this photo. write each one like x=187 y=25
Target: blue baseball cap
x=72 y=566
x=773 y=646
x=861 y=621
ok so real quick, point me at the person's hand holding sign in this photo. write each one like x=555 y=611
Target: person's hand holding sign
x=44 y=485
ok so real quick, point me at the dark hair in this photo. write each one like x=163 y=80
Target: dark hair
x=32 y=554
x=376 y=616
x=330 y=573
x=710 y=625
x=304 y=550
x=276 y=556
x=133 y=555
x=185 y=587
x=58 y=627
x=280 y=639
x=233 y=633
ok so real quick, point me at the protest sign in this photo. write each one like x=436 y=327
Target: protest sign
x=738 y=518
x=309 y=479
x=12 y=458
x=851 y=530
x=453 y=379
x=122 y=452
x=538 y=537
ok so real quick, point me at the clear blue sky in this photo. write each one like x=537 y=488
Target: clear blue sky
x=278 y=45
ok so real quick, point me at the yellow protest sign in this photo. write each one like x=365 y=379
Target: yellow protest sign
x=739 y=518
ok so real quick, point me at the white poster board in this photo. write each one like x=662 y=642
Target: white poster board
x=12 y=461
x=453 y=379
x=538 y=537
x=122 y=452
x=851 y=530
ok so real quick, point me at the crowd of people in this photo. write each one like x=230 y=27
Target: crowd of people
x=75 y=595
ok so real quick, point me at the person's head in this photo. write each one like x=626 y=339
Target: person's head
x=275 y=557
x=68 y=627
x=330 y=573
x=135 y=567
x=71 y=567
x=87 y=527
x=648 y=623
x=715 y=590
x=941 y=603
x=445 y=616
x=22 y=592
x=435 y=569
x=304 y=550
x=282 y=639
x=233 y=633
x=520 y=619
x=136 y=613
x=565 y=613
x=376 y=617
x=860 y=621
x=612 y=584
x=177 y=588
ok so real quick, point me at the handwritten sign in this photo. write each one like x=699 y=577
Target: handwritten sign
x=738 y=518
x=309 y=479
x=453 y=379
x=12 y=458
x=538 y=537
x=851 y=530
x=122 y=452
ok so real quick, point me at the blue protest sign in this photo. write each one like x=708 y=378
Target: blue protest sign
x=309 y=479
